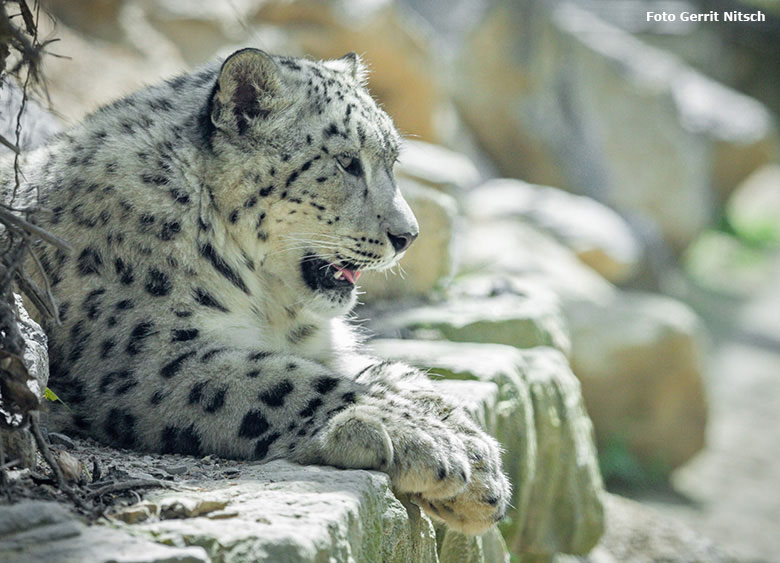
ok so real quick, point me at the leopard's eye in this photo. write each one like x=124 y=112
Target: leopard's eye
x=350 y=164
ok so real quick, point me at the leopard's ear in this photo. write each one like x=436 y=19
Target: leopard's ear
x=249 y=89
x=352 y=64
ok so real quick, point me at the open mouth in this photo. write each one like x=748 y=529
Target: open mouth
x=322 y=275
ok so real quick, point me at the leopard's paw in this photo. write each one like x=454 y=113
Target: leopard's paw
x=483 y=501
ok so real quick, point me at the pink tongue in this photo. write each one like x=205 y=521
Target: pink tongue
x=351 y=276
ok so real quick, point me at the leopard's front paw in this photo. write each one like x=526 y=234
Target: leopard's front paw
x=483 y=501
x=420 y=454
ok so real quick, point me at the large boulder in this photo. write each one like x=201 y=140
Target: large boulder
x=640 y=361
x=577 y=103
x=638 y=356
x=598 y=236
x=535 y=410
x=508 y=248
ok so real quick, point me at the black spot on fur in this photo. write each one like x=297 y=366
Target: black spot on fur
x=140 y=332
x=124 y=271
x=116 y=376
x=183 y=335
x=211 y=353
x=349 y=397
x=196 y=392
x=79 y=338
x=154 y=179
x=253 y=373
x=217 y=400
x=325 y=384
x=262 y=446
x=219 y=264
x=255 y=356
x=89 y=262
x=233 y=217
x=265 y=192
x=92 y=303
x=175 y=440
x=63 y=311
x=274 y=397
x=301 y=333
x=120 y=428
x=106 y=346
x=169 y=230
x=253 y=425
x=174 y=366
x=125 y=304
x=311 y=408
x=157 y=397
x=207 y=300
x=158 y=283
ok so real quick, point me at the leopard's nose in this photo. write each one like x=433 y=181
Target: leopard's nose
x=401 y=242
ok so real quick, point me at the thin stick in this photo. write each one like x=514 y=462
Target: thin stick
x=125 y=485
x=19 y=223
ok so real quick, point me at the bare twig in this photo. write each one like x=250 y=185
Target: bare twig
x=14 y=220
x=126 y=485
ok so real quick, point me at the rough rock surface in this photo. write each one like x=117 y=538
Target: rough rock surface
x=539 y=418
x=46 y=531
x=524 y=321
x=20 y=444
x=284 y=512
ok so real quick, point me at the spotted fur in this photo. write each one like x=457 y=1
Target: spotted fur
x=218 y=222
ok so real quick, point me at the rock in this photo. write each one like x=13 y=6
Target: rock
x=754 y=208
x=285 y=512
x=188 y=507
x=429 y=261
x=577 y=103
x=533 y=319
x=397 y=50
x=19 y=444
x=598 y=236
x=535 y=410
x=503 y=250
x=640 y=361
x=436 y=166
x=57 y=439
x=46 y=531
x=639 y=534
x=36 y=354
x=490 y=547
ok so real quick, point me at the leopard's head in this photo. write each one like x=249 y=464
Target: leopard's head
x=305 y=169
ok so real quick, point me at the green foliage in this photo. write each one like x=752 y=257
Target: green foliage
x=52 y=396
x=621 y=467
